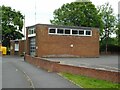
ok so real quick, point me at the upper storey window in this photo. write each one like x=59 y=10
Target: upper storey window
x=68 y=31
x=31 y=32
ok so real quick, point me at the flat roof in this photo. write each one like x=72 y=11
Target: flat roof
x=61 y=26
x=17 y=40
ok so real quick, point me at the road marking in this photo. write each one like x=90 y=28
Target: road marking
x=29 y=79
x=26 y=75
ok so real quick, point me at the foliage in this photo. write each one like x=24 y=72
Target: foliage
x=111 y=48
x=77 y=14
x=118 y=30
x=112 y=45
x=12 y=23
x=87 y=82
x=112 y=41
x=108 y=18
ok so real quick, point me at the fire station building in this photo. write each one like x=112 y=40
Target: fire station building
x=44 y=40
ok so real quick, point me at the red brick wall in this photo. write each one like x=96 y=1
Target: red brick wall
x=21 y=47
x=56 y=67
x=59 y=45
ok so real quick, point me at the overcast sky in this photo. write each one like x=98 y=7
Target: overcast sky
x=44 y=8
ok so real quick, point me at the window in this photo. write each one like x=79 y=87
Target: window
x=16 y=47
x=67 y=31
x=81 y=32
x=74 y=32
x=60 y=31
x=88 y=33
x=52 y=30
x=31 y=31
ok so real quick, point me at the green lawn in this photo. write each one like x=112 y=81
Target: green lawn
x=87 y=82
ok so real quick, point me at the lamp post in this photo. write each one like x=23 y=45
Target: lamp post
x=24 y=39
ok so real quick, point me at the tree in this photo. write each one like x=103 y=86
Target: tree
x=109 y=20
x=12 y=24
x=77 y=14
x=118 y=30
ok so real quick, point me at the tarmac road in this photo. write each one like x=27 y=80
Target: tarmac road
x=12 y=76
x=18 y=74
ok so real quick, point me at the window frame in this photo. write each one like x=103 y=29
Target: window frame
x=90 y=33
x=61 y=33
x=31 y=32
x=83 y=33
x=52 y=33
x=67 y=29
x=71 y=34
x=77 y=32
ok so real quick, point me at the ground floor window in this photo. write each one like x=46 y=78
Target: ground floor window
x=16 y=46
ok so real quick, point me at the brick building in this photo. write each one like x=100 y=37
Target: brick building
x=17 y=47
x=45 y=40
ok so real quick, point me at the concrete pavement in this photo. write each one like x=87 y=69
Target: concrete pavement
x=39 y=78
x=104 y=62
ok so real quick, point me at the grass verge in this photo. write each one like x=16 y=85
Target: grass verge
x=87 y=82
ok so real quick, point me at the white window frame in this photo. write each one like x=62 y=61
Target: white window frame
x=31 y=32
x=70 y=32
x=67 y=29
x=77 y=32
x=60 y=33
x=90 y=32
x=52 y=28
x=83 y=31
x=16 y=46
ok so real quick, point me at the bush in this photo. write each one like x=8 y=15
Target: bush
x=111 y=48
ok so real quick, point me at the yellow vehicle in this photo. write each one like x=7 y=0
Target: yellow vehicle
x=3 y=50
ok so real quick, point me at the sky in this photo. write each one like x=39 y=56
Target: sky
x=41 y=11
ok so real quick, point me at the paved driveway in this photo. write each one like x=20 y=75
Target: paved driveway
x=109 y=62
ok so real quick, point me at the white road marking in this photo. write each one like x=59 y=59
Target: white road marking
x=29 y=79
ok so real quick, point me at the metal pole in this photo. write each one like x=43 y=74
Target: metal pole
x=106 y=34
x=24 y=39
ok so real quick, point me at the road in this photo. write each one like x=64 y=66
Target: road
x=19 y=74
